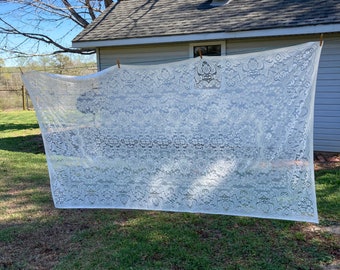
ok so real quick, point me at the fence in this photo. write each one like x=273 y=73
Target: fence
x=15 y=99
x=13 y=95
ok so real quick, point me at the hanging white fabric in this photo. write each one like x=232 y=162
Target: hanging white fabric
x=225 y=135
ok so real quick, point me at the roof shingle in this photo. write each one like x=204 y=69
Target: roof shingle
x=150 y=18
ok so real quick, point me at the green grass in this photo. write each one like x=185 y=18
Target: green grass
x=35 y=235
x=328 y=191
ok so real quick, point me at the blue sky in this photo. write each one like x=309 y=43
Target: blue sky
x=62 y=31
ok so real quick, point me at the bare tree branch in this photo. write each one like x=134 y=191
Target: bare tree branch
x=40 y=37
x=107 y=3
x=75 y=14
x=91 y=12
x=27 y=24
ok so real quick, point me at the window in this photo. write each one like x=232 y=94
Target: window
x=210 y=48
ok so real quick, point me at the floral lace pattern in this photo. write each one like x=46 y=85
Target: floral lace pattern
x=225 y=135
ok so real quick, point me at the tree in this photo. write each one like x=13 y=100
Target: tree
x=28 y=27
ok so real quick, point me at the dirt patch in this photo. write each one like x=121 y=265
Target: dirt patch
x=43 y=246
x=331 y=229
x=326 y=160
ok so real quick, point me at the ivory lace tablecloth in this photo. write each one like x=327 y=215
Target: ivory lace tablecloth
x=225 y=135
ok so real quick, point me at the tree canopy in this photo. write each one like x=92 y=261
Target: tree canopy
x=41 y=27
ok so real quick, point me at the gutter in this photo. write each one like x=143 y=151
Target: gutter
x=301 y=30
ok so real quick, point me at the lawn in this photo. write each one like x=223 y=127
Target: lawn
x=35 y=235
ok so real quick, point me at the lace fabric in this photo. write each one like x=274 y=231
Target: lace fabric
x=224 y=135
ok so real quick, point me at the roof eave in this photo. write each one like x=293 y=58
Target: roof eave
x=301 y=30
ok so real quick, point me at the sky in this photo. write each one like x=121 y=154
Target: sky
x=62 y=31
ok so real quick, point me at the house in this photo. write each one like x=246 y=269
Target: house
x=160 y=31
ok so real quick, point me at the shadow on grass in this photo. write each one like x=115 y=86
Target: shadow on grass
x=28 y=144
x=120 y=239
x=11 y=127
x=161 y=240
x=131 y=239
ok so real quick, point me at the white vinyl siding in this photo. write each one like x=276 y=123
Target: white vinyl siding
x=327 y=100
x=142 y=54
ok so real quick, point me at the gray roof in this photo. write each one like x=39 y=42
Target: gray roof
x=158 y=18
